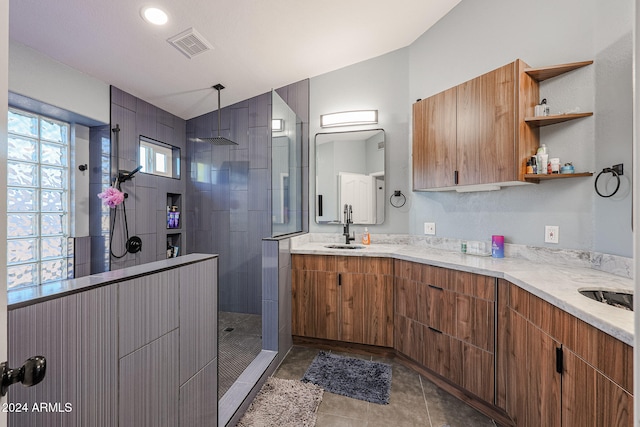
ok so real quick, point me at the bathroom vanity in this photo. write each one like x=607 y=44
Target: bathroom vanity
x=511 y=337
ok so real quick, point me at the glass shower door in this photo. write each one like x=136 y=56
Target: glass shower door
x=286 y=169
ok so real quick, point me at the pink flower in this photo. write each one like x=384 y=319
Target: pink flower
x=112 y=197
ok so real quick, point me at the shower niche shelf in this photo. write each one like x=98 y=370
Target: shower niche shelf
x=174 y=225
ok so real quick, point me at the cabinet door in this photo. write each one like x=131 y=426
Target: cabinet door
x=434 y=141
x=378 y=306
x=486 y=128
x=533 y=385
x=352 y=309
x=591 y=399
x=314 y=304
x=301 y=303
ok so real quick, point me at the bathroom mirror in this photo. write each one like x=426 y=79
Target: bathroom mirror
x=350 y=170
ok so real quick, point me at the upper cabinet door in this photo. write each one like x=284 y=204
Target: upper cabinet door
x=434 y=141
x=486 y=125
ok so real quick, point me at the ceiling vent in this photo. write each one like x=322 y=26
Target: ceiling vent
x=190 y=43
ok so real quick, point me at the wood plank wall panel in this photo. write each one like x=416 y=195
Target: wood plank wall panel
x=149 y=384
x=148 y=308
x=198 y=318
x=97 y=357
x=47 y=329
x=198 y=399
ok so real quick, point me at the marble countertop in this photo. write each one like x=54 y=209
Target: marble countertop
x=556 y=284
x=21 y=297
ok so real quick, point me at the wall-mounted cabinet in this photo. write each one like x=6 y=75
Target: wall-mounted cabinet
x=483 y=131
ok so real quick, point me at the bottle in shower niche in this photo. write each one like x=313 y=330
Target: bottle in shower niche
x=173 y=217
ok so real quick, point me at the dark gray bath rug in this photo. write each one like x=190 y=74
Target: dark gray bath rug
x=351 y=377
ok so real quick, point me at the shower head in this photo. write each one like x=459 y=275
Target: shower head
x=124 y=176
x=218 y=140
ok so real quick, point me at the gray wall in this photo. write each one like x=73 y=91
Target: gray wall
x=147 y=202
x=476 y=37
x=386 y=89
x=229 y=192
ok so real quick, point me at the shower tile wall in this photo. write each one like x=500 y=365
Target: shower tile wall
x=230 y=190
x=147 y=202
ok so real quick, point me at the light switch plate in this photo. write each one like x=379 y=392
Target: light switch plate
x=430 y=228
x=551 y=233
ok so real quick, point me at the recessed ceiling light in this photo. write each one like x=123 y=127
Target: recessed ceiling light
x=154 y=16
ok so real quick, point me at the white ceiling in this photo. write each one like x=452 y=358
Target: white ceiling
x=258 y=44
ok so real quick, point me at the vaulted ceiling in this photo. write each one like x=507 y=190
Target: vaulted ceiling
x=257 y=44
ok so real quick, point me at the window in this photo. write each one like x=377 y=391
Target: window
x=158 y=158
x=37 y=199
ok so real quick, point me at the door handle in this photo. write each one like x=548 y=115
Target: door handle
x=29 y=374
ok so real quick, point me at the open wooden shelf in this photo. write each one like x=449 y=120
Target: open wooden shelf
x=532 y=177
x=557 y=118
x=544 y=73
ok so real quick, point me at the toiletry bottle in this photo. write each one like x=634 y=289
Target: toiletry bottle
x=542 y=159
x=366 y=238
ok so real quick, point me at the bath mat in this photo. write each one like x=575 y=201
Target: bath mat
x=351 y=377
x=283 y=403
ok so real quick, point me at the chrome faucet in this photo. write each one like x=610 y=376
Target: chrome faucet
x=348 y=219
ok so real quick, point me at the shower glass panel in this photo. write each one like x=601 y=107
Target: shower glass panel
x=286 y=169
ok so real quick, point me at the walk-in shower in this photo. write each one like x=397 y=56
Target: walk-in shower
x=265 y=199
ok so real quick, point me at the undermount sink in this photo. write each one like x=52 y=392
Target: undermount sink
x=623 y=300
x=344 y=246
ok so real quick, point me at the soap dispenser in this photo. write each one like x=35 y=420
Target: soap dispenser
x=366 y=238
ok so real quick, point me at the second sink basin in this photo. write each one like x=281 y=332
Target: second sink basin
x=622 y=300
x=344 y=246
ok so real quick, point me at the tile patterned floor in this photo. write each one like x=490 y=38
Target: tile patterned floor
x=236 y=347
x=414 y=401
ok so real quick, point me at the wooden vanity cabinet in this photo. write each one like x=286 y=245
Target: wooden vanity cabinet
x=475 y=133
x=343 y=298
x=556 y=370
x=444 y=320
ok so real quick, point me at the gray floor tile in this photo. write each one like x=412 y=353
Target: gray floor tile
x=414 y=401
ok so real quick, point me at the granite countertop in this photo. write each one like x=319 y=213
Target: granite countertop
x=21 y=297
x=556 y=284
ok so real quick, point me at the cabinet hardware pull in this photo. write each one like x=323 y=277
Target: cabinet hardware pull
x=436 y=287
x=559 y=360
x=435 y=330
x=339 y=279
x=455 y=177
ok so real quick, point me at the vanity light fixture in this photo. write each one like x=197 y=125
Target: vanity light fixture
x=349 y=118
x=154 y=16
x=277 y=125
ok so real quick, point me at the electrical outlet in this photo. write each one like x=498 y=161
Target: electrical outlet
x=551 y=233
x=430 y=228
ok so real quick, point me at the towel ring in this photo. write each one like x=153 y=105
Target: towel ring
x=607 y=170
x=398 y=193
